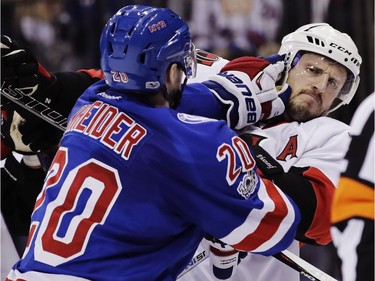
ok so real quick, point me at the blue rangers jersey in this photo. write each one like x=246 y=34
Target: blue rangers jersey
x=133 y=189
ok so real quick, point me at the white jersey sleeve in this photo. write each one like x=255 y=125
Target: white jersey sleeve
x=208 y=65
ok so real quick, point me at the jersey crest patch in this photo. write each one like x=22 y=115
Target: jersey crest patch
x=248 y=184
x=193 y=119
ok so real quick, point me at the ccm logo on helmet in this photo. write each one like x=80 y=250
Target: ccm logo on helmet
x=342 y=49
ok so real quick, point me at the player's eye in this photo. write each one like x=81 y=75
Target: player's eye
x=314 y=70
x=333 y=83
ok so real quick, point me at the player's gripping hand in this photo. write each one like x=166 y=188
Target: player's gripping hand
x=264 y=73
x=23 y=136
x=20 y=70
x=248 y=86
x=11 y=137
x=223 y=258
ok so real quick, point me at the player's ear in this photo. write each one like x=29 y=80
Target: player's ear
x=174 y=75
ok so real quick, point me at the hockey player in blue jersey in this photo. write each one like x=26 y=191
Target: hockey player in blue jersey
x=136 y=185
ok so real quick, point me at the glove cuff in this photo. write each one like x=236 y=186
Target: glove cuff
x=245 y=108
x=32 y=161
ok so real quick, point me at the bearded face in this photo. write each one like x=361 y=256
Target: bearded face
x=315 y=81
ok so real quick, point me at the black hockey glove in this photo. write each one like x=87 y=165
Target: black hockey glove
x=59 y=91
x=20 y=70
x=23 y=136
x=24 y=77
x=22 y=131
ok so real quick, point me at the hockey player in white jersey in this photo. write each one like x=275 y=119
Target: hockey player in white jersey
x=322 y=67
x=307 y=145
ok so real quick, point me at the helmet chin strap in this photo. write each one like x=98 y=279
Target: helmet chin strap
x=184 y=84
x=177 y=94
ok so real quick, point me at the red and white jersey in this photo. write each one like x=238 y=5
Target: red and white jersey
x=316 y=149
x=319 y=143
x=208 y=65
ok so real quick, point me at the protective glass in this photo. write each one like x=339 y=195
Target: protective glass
x=190 y=62
x=339 y=78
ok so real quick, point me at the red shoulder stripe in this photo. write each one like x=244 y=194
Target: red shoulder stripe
x=94 y=73
x=266 y=230
x=324 y=190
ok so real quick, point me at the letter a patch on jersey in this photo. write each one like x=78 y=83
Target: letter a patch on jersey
x=290 y=149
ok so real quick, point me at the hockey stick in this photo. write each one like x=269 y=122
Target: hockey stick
x=40 y=110
x=197 y=259
x=303 y=267
x=35 y=107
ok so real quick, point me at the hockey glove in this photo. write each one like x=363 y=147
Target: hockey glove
x=23 y=136
x=223 y=258
x=20 y=70
x=247 y=86
x=59 y=90
x=10 y=134
x=21 y=73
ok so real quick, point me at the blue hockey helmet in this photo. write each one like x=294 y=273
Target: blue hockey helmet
x=139 y=43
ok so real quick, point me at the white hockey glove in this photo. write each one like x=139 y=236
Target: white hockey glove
x=247 y=86
x=223 y=258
